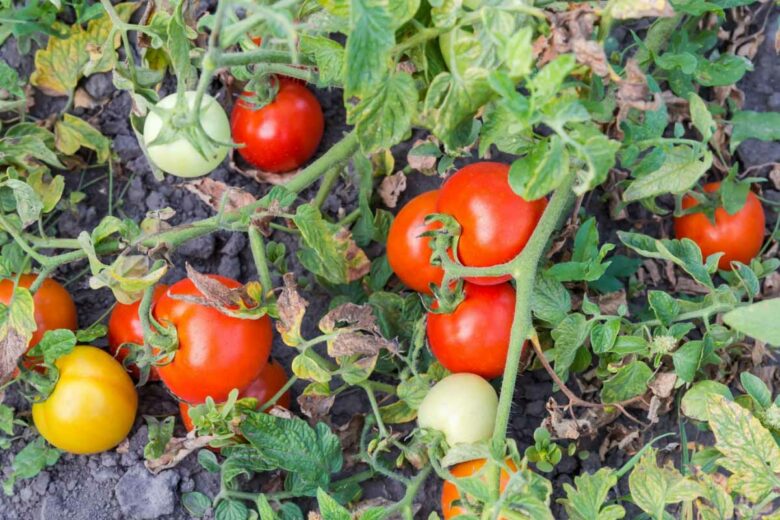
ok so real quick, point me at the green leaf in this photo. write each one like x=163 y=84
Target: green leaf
x=726 y=70
x=694 y=402
x=587 y=501
x=755 y=319
x=30 y=461
x=679 y=173
x=313 y=454
x=6 y=419
x=329 y=508
x=653 y=488
x=685 y=253
x=53 y=345
x=369 y=43
x=598 y=152
x=541 y=170
x=764 y=126
x=73 y=133
x=603 y=336
x=569 y=335
x=28 y=205
x=750 y=452
x=687 y=360
x=551 y=301
x=630 y=381
x=160 y=433
x=305 y=367
x=664 y=307
x=50 y=192
x=384 y=116
x=231 y=510
x=328 y=54
x=196 y=503
x=756 y=388
x=701 y=117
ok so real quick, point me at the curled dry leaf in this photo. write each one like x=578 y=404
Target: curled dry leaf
x=82 y=99
x=241 y=302
x=349 y=435
x=291 y=307
x=610 y=302
x=562 y=426
x=628 y=9
x=316 y=406
x=425 y=164
x=663 y=384
x=177 y=449
x=359 y=333
x=277 y=179
x=281 y=412
x=633 y=93
x=391 y=188
x=358 y=264
x=774 y=175
x=621 y=437
x=218 y=195
x=568 y=29
x=13 y=345
x=590 y=53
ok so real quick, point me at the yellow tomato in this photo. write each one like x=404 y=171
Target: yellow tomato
x=93 y=405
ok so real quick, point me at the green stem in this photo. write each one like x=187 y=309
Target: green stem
x=291 y=71
x=327 y=183
x=235 y=59
x=6 y=226
x=406 y=504
x=257 y=245
x=693 y=315
x=278 y=395
x=375 y=408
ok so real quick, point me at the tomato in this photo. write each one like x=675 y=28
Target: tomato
x=495 y=222
x=93 y=405
x=216 y=352
x=461 y=406
x=54 y=308
x=408 y=253
x=475 y=337
x=179 y=157
x=738 y=236
x=271 y=380
x=282 y=135
x=450 y=493
x=124 y=326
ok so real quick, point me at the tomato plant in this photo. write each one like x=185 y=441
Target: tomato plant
x=216 y=353
x=124 y=326
x=54 y=307
x=738 y=236
x=93 y=405
x=174 y=153
x=282 y=135
x=409 y=253
x=495 y=222
x=462 y=407
x=475 y=336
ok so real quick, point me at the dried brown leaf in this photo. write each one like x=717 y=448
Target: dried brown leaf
x=610 y=302
x=82 y=99
x=177 y=449
x=358 y=264
x=630 y=9
x=277 y=179
x=561 y=423
x=391 y=188
x=218 y=296
x=315 y=406
x=663 y=384
x=13 y=345
x=281 y=412
x=590 y=53
x=774 y=176
x=425 y=164
x=219 y=195
x=291 y=307
x=351 y=316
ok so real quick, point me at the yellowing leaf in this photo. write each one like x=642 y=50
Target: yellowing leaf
x=627 y=9
x=72 y=133
x=750 y=452
x=17 y=324
x=63 y=62
x=653 y=487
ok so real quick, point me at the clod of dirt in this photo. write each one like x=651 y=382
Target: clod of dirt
x=145 y=496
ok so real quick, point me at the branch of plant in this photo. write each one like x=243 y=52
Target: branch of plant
x=375 y=409
x=257 y=245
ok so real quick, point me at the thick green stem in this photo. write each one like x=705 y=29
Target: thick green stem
x=278 y=395
x=235 y=59
x=375 y=408
x=257 y=245
x=325 y=185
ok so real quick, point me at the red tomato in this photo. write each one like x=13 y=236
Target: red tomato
x=282 y=135
x=408 y=253
x=271 y=380
x=738 y=236
x=475 y=337
x=495 y=222
x=124 y=326
x=217 y=353
x=54 y=308
x=450 y=493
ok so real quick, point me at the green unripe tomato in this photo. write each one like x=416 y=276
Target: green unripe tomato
x=462 y=406
x=179 y=157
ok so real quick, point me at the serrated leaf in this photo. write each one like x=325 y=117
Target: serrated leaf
x=196 y=503
x=569 y=335
x=329 y=508
x=541 y=170
x=73 y=133
x=64 y=61
x=755 y=319
x=328 y=54
x=307 y=368
x=664 y=307
x=369 y=43
x=679 y=173
x=587 y=500
x=630 y=381
x=551 y=301
x=231 y=510
x=750 y=452
x=653 y=488
x=28 y=205
x=687 y=360
x=685 y=253
x=384 y=116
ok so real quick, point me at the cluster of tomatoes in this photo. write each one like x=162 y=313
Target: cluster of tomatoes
x=277 y=138
x=94 y=402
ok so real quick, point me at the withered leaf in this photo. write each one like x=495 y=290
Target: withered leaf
x=425 y=164
x=316 y=406
x=391 y=188
x=663 y=384
x=359 y=343
x=239 y=302
x=351 y=316
x=590 y=53
x=628 y=9
x=291 y=307
x=216 y=193
x=177 y=449
x=17 y=324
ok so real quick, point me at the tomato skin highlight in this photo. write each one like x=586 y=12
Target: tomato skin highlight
x=461 y=406
x=216 y=352
x=496 y=223
x=409 y=254
x=475 y=337
x=179 y=157
x=450 y=493
x=124 y=326
x=93 y=405
x=271 y=380
x=282 y=135
x=739 y=236
x=54 y=307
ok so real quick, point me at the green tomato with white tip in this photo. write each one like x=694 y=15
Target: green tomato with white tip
x=179 y=157
x=462 y=406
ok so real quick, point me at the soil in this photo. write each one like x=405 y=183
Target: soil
x=116 y=485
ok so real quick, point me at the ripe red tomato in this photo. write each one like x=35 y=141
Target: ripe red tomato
x=124 y=326
x=450 y=493
x=475 y=337
x=271 y=380
x=738 y=236
x=282 y=135
x=408 y=253
x=54 y=308
x=495 y=222
x=216 y=352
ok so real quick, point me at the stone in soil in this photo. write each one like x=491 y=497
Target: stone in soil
x=145 y=496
